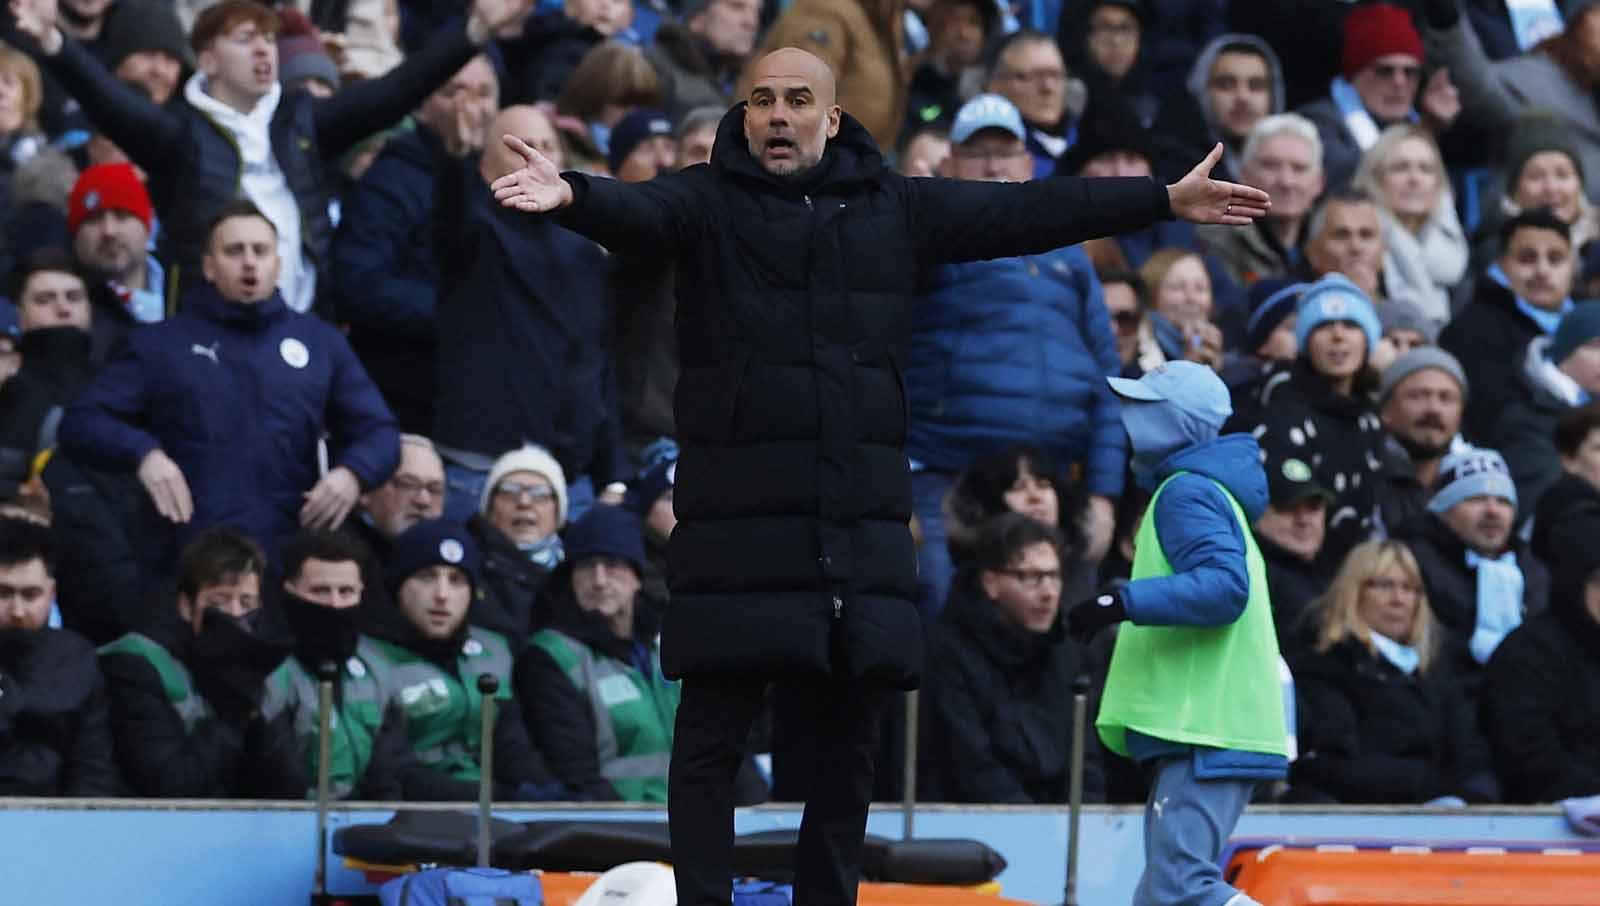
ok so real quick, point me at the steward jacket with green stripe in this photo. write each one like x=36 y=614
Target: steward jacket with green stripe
x=598 y=705
x=435 y=686
x=181 y=707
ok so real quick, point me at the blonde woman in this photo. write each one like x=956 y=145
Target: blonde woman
x=1425 y=250
x=1181 y=306
x=1380 y=719
x=21 y=93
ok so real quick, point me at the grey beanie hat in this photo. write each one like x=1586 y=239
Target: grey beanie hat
x=1403 y=314
x=1420 y=359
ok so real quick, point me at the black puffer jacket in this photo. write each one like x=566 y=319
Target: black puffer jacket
x=55 y=367
x=1491 y=321
x=794 y=306
x=1369 y=733
x=55 y=732
x=1000 y=701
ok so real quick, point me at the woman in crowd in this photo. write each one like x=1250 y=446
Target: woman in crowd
x=1178 y=325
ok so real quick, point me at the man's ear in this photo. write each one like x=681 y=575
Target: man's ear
x=990 y=581
x=834 y=114
x=206 y=62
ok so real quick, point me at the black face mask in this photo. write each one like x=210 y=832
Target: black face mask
x=232 y=660
x=321 y=633
x=14 y=643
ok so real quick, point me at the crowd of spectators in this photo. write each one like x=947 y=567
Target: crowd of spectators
x=285 y=395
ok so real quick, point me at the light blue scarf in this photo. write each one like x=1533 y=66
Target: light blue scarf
x=546 y=552
x=1499 y=601
x=1404 y=657
x=1547 y=320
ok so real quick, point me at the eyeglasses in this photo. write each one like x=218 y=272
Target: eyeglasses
x=1034 y=578
x=511 y=490
x=411 y=487
x=1386 y=71
x=1390 y=586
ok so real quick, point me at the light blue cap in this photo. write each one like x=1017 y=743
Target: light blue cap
x=1189 y=386
x=987 y=111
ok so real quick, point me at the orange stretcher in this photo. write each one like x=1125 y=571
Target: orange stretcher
x=1404 y=875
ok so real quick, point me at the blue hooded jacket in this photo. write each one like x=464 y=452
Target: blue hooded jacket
x=1012 y=351
x=237 y=396
x=1204 y=544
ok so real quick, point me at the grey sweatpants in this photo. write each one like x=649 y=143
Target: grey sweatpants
x=1186 y=824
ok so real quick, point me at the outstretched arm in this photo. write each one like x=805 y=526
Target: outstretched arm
x=957 y=220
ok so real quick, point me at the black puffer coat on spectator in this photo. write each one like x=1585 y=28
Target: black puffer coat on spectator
x=1294 y=585
x=55 y=731
x=1000 y=703
x=1567 y=522
x=1369 y=733
x=794 y=304
x=509 y=586
x=1491 y=321
x=1299 y=416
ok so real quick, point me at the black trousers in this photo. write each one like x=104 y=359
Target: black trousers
x=714 y=718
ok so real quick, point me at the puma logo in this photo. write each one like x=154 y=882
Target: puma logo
x=209 y=352
x=1159 y=806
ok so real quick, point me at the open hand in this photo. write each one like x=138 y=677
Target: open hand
x=168 y=489
x=37 y=20
x=1200 y=199
x=331 y=499
x=537 y=186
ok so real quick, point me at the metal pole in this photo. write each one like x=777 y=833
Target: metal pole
x=487 y=685
x=908 y=806
x=325 y=675
x=1080 y=711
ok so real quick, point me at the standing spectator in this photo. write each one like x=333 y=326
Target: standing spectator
x=1000 y=699
x=1526 y=293
x=1290 y=533
x=234 y=118
x=146 y=44
x=1542 y=687
x=1482 y=581
x=181 y=404
x=1345 y=236
x=862 y=41
x=525 y=290
x=184 y=690
x=1382 y=718
x=1283 y=156
x=1424 y=248
x=590 y=685
x=1319 y=410
x=1007 y=352
x=1233 y=84
x=413 y=493
x=1027 y=69
x=1420 y=401
x=699 y=60
x=110 y=218
x=55 y=728
x=21 y=95
x=384 y=274
x=958 y=30
x=432 y=659
x=1558 y=373
x=1380 y=78
x=521 y=510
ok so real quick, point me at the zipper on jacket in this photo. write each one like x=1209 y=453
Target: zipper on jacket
x=838 y=607
x=808 y=201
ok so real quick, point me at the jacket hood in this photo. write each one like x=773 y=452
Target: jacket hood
x=1200 y=72
x=971 y=613
x=205 y=301
x=851 y=157
x=1232 y=460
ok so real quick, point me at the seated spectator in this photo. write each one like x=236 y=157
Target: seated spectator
x=590 y=685
x=384 y=275
x=649 y=498
x=53 y=313
x=1000 y=697
x=184 y=691
x=1290 y=532
x=1420 y=402
x=1567 y=519
x=1543 y=170
x=432 y=659
x=958 y=31
x=1123 y=292
x=698 y=58
x=1381 y=717
x=1027 y=69
x=1380 y=78
x=1558 y=74
x=1542 y=691
x=1404 y=328
x=182 y=405
x=303 y=64
x=1283 y=156
x=642 y=146
x=55 y=728
x=1318 y=410
x=611 y=80
x=522 y=509
x=1481 y=579
x=415 y=492
x=1424 y=248
x=697 y=133
x=1104 y=41
x=1181 y=308
x=1559 y=373
x=195 y=165
x=1233 y=84
x=1270 y=341
x=110 y=219
x=1345 y=237
x=524 y=290
x=1007 y=352
x=1523 y=296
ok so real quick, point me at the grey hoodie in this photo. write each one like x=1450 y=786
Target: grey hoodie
x=1200 y=72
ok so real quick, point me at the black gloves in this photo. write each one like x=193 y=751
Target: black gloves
x=1095 y=614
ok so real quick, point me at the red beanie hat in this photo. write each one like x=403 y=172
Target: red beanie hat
x=1378 y=30
x=107 y=186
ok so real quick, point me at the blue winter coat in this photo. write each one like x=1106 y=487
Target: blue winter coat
x=237 y=396
x=1015 y=350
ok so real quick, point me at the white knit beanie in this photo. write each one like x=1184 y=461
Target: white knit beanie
x=530 y=458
